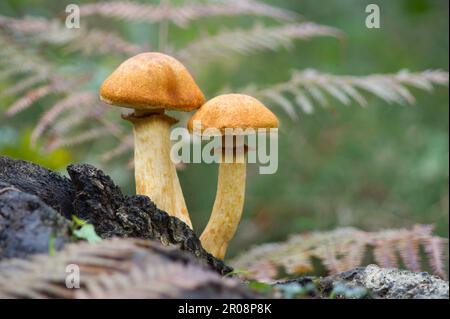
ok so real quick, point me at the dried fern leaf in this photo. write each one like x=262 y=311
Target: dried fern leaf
x=115 y=268
x=385 y=254
x=84 y=137
x=26 y=84
x=27 y=100
x=344 y=249
x=182 y=15
x=391 y=88
x=409 y=252
x=84 y=40
x=256 y=39
x=39 y=71
x=435 y=248
x=77 y=99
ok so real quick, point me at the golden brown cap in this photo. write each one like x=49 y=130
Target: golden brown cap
x=233 y=111
x=152 y=80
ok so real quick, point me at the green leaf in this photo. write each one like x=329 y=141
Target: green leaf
x=260 y=286
x=51 y=245
x=87 y=232
x=78 y=221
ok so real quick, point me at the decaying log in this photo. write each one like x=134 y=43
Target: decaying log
x=53 y=189
x=28 y=225
x=91 y=195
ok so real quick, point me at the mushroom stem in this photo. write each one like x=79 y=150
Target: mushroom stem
x=227 y=209
x=155 y=173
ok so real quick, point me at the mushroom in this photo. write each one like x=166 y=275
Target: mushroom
x=229 y=111
x=150 y=83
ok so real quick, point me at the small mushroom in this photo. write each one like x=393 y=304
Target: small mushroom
x=235 y=111
x=150 y=83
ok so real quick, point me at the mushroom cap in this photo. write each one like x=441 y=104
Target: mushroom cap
x=236 y=111
x=152 y=80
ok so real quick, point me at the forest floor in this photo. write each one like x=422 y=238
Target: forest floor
x=140 y=246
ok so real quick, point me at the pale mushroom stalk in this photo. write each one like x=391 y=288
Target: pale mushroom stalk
x=228 y=206
x=155 y=173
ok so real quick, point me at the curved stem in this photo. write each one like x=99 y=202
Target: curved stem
x=227 y=208
x=155 y=173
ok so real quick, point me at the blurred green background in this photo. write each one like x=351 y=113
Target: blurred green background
x=384 y=166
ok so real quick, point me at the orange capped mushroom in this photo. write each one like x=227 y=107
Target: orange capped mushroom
x=237 y=112
x=150 y=83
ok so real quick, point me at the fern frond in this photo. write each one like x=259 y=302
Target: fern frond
x=16 y=60
x=114 y=268
x=16 y=67
x=26 y=84
x=66 y=123
x=409 y=252
x=310 y=87
x=257 y=38
x=57 y=85
x=77 y=100
x=435 y=247
x=385 y=253
x=182 y=15
x=84 y=137
x=88 y=41
x=30 y=98
x=72 y=130
x=354 y=255
x=344 y=249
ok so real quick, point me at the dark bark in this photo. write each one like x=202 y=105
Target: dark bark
x=27 y=224
x=91 y=195
x=53 y=189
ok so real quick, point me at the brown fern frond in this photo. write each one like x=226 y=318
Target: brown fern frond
x=30 y=98
x=77 y=100
x=88 y=41
x=115 y=268
x=39 y=71
x=24 y=25
x=15 y=67
x=330 y=261
x=16 y=60
x=68 y=122
x=311 y=87
x=84 y=137
x=409 y=252
x=256 y=39
x=26 y=84
x=102 y=42
x=58 y=84
x=91 y=112
x=354 y=255
x=183 y=14
x=344 y=249
x=435 y=247
x=385 y=253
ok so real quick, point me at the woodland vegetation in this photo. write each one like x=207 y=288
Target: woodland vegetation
x=363 y=172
